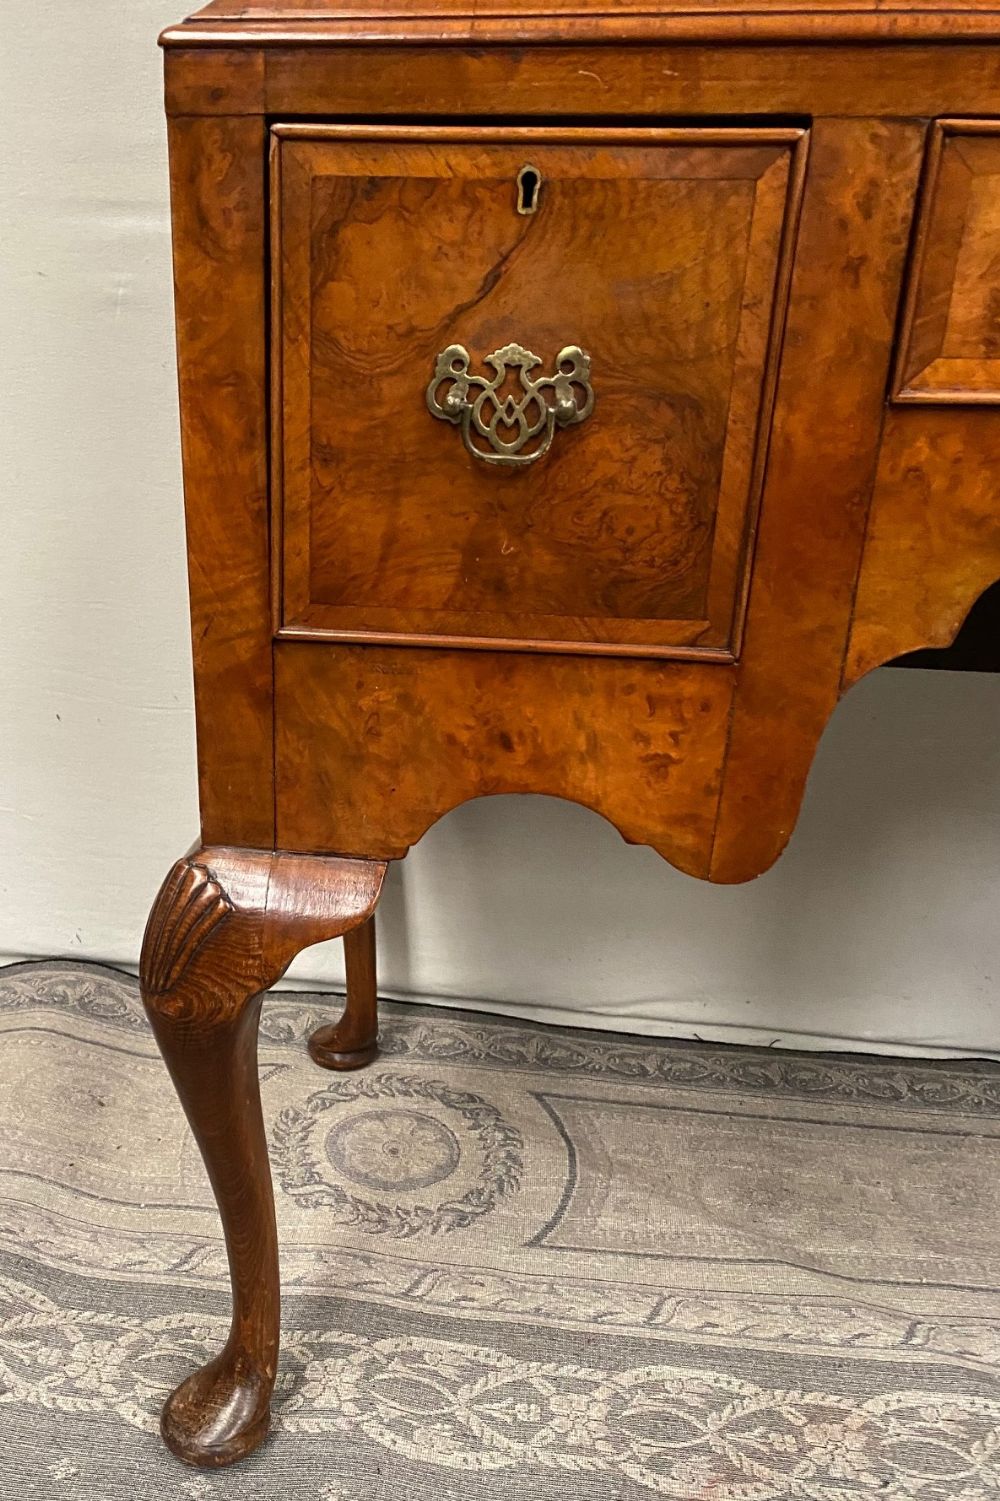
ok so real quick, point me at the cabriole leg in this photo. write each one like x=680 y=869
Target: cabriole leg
x=353 y=1040
x=225 y=926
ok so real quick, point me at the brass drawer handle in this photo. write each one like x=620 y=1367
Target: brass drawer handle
x=473 y=402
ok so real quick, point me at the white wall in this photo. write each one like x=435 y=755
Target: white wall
x=879 y=926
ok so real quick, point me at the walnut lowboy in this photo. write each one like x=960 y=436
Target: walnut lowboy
x=594 y=448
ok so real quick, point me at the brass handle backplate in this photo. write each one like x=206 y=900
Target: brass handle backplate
x=516 y=429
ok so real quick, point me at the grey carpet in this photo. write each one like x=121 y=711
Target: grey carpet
x=518 y=1262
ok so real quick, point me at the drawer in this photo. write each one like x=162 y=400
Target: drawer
x=522 y=381
x=950 y=344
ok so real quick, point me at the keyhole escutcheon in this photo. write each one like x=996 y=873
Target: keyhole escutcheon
x=529 y=187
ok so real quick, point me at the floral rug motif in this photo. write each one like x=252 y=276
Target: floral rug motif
x=516 y=1260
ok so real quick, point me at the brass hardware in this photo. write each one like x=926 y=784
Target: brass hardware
x=529 y=188
x=473 y=402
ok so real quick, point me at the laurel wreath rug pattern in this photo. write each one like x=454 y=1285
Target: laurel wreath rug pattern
x=369 y=1148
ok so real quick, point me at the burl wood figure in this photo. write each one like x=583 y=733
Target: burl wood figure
x=594 y=448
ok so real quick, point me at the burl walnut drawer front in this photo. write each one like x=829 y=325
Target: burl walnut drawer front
x=950 y=345
x=523 y=379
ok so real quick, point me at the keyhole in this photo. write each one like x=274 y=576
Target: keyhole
x=529 y=186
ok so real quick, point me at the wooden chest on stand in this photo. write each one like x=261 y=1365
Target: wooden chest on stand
x=575 y=401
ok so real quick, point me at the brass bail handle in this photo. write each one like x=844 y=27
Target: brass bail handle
x=512 y=431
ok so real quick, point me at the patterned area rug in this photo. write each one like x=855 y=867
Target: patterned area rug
x=518 y=1262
